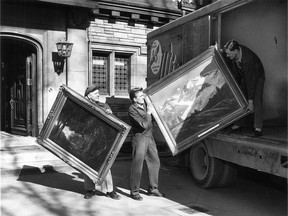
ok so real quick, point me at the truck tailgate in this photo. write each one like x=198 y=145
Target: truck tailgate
x=267 y=153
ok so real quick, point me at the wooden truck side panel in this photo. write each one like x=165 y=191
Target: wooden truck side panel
x=167 y=52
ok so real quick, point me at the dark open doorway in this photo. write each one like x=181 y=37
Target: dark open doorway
x=18 y=87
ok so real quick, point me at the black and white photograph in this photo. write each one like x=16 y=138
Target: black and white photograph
x=146 y=107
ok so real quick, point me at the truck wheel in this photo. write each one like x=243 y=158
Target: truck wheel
x=229 y=175
x=206 y=171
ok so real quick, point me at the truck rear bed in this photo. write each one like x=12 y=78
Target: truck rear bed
x=267 y=153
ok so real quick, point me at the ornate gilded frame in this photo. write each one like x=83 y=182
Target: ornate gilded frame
x=196 y=100
x=81 y=134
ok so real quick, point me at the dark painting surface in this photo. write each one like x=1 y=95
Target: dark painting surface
x=196 y=101
x=83 y=134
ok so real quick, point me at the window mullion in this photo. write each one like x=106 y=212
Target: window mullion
x=112 y=73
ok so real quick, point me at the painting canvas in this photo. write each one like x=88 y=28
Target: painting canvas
x=82 y=134
x=197 y=99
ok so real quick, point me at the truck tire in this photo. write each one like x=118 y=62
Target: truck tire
x=229 y=175
x=206 y=171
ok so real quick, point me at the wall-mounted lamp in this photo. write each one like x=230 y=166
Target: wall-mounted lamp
x=64 y=51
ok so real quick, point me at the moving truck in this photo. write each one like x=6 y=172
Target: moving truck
x=260 y=25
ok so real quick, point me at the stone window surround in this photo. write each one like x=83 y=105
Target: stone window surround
x=132 y=51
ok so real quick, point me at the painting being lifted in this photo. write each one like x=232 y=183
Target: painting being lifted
x=77 y=131
x=197 y=99
x=81 y=134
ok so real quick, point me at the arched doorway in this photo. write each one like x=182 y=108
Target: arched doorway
x=18 y=86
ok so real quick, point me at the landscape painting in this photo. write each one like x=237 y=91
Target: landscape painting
x=197 y=99
x=82 y=134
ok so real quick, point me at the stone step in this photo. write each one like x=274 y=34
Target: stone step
x=17 y=159
x=24 y=154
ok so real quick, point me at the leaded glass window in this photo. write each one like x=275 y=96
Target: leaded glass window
x=100 y=72
x=111 y=72
x=121 y=75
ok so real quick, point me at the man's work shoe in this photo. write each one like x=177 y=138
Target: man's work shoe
x=89 y=194
x=257 y=133
x=136 y=197
x=155 y=193
x=236 y=128
x=113 y=195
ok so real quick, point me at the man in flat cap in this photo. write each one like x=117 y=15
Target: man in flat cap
x=92 y=94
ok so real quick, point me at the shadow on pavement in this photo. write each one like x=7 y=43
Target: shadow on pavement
x=51 y=178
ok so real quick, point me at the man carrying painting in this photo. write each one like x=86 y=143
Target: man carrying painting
x=92 y=94
x=144 y=146
x=251 y=77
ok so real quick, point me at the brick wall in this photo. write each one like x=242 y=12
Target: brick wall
x=119 y=33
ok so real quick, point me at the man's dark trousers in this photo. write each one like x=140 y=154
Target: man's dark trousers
x=144 y=148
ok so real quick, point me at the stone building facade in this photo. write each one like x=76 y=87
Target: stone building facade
x=109 y=49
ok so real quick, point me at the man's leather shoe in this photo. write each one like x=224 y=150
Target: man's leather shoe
x=257 y=133
x=113 y=195
x=236 y=128
x=155 y=193
x=89 y=194
x=136 y=197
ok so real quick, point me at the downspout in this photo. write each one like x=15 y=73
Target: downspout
x=219 y=33
x=66 y=36
x=89 y=78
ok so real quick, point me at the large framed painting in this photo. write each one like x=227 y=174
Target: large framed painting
x=196 y=100
x=82 y=134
